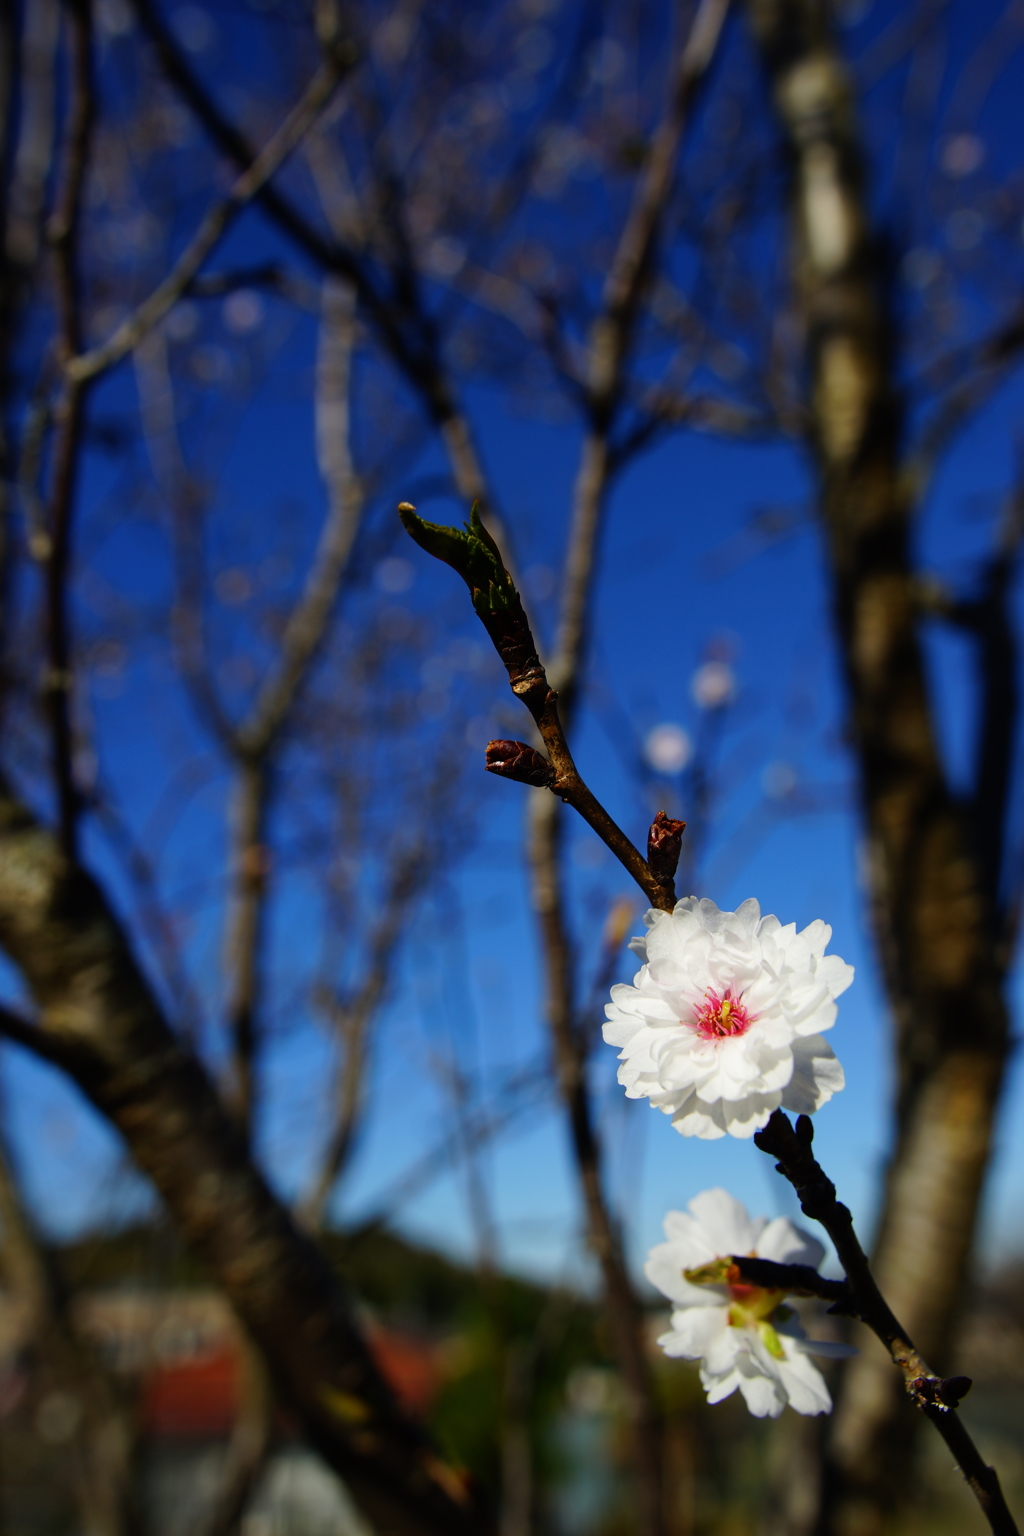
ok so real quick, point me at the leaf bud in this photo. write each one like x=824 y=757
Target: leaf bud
x=664 y=842
x=515 y=760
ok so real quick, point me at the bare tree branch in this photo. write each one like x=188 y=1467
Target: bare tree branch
x=255 y=742
x=188 y=628
x=87 y=365
x=307 y=623
x=352 y=1018
x=414 y=350
x=510 y=632
x=976 y=372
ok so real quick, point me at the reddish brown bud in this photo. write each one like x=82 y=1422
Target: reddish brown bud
x=664 y=842
x=515 y=760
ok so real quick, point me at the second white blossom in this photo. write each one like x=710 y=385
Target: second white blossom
x=724 y=1021
x=745 y=1337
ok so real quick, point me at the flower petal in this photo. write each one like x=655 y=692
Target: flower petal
x=764 y=1398
x=788 y=1244
x=817 y=1075
x=695 y=1333
x=803 y=1382
x=724 y=1222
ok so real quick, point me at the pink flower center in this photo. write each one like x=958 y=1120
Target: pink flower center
x=719 y=1018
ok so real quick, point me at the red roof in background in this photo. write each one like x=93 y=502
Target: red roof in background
x=411 y=1365
x=197 y=1399
x=191 y=1399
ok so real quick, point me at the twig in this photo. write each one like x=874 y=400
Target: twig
x=160 y=429
x=610 y=339
x=934 y=1395
x=794 y=1279
x=477 y=558
x=254 y=743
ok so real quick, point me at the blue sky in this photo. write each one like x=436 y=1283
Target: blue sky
x=469 y=979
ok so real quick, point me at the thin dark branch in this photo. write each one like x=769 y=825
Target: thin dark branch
x=794 y=1279
x=926 y=1390
x=245 y=929
x=256 y=742
x=530 y=684
x=477 y=558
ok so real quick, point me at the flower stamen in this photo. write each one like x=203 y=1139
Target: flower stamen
x=720 y=1018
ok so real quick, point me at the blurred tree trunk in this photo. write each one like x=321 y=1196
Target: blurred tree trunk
x=101 y=1024
x=934 y=894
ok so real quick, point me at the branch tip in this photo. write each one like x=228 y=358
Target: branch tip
x=469 y=550
x=473 y=553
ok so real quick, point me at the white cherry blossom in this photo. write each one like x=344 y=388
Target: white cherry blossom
x=723 y=1023
x=743 y=1336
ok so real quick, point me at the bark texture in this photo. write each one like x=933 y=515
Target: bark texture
x=100 y=1021
x=933 y=887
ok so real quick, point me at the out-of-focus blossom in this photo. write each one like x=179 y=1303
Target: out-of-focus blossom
x=714 y=685
x=668 y=748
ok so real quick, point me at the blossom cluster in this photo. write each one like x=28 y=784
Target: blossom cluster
x=723 y=1024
